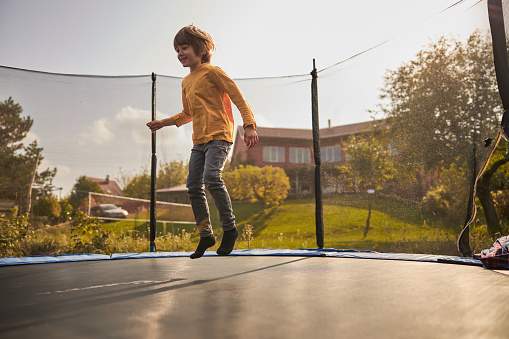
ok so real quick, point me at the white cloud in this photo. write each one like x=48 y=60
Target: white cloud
x=132 y=125
x=30 y=137
x=132 y=121
x=62 y=170
x=63 y=177
x=98 y=133
x=262 y=121
x=121 y=140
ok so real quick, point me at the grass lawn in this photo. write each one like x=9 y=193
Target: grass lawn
x=395 y=226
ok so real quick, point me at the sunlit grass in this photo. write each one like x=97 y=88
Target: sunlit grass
x=395 y=226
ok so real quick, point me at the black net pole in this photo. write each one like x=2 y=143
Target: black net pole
x=153 y=173
x=501 y=60
x=317 y=157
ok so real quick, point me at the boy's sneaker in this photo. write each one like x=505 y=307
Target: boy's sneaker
x=205 y=242
x=228 y=242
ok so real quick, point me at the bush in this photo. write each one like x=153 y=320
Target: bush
x=88 y=236
x=268 y=185
x=65 y=210
x=436 y=202
x=48 y=207
x=501 y=200
x=13 y=231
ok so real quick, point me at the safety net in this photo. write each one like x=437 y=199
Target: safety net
x=409 y=132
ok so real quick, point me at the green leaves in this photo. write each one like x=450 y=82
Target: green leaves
x=13 y=127
x=370 y=163
x=13 y=230
x=16 y=160
x=268 y=185
x=79 y=195
x=88 y=236
x=443 y=101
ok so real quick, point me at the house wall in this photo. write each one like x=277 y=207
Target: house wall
x=254 y=156
x=301 y=178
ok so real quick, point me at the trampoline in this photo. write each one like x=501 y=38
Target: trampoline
x=252 y=295
x=322 y=293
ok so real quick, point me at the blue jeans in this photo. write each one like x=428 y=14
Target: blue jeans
x=205 y=166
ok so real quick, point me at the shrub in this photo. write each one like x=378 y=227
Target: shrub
x=48 y=207
x=88 y=236
x=268 y=185
x=435 y=202
x=501 y=200
x=13 y=231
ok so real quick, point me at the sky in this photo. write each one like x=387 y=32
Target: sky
x=95 y=126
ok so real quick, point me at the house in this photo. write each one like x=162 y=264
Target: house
x=177 y=194
x=292 y=150
x=108 y=186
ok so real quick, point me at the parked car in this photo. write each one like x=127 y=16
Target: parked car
x=108 y=211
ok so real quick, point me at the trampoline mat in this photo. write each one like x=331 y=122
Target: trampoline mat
x=251 y=297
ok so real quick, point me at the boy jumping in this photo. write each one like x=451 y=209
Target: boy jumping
x=206 y=94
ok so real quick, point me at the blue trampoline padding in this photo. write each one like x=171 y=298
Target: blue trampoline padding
x=153 y=255
x=44 y=259
x=252 y=252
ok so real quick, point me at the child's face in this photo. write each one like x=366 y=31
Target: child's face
x=187 y=57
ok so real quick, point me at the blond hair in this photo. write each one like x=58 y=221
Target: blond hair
x=200 y=41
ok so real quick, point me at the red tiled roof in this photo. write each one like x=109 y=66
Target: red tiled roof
x=325 y=133
x=108 y=186
x=179 y=188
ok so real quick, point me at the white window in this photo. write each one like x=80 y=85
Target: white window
x=300 y=155
x=273 y=154
x=331 y=153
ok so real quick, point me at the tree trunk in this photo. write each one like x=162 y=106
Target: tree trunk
x=484 y=195
x=34 y=173
x=366 y=230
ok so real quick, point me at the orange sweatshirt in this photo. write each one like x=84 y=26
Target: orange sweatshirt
x=206 y=94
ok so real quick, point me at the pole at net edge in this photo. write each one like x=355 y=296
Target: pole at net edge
x=317 y=159
x=153 y=169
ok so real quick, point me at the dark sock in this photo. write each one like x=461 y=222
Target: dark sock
x=205 y=242
x=228 y=242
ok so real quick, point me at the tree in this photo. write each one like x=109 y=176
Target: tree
x=370 y=164
x=48 y=206
x=441 y=106
x=78 y=198
x=268 y=185
x=172 y=173
x=495 y=178
x=65 y=210
x=13 y=127
x=16 y=160
x=139 y=186
x=443 y=102
x=272 y=186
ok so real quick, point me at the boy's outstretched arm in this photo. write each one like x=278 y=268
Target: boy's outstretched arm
x=250 y=136
x=154 y=125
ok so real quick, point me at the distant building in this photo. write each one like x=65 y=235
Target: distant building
x=292 y=149
x=107 y=185
x=177 y=194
